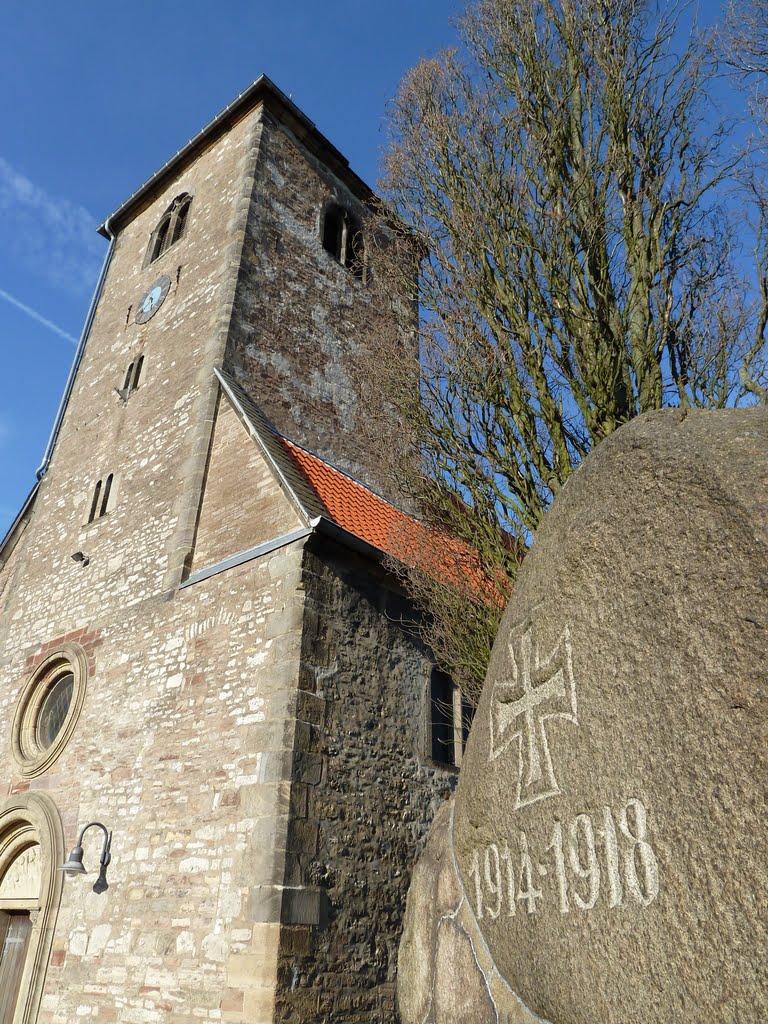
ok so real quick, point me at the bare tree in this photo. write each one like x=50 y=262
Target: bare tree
x=557 y=175
x=742 y=47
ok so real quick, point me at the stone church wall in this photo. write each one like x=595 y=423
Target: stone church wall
x=156 y=442
x=301 y=321
x=254 y=739
x=243 y=504
x=186 y=690
x=373 y=793
x=182 y=748
x=259 y=737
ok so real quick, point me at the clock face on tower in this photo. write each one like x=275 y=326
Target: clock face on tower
x=152 y=300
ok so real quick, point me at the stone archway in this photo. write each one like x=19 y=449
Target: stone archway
x=31 y=850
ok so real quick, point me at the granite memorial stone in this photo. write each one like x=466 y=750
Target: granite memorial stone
x=609 y=832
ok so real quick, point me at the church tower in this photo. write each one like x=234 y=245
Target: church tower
x=200 y=647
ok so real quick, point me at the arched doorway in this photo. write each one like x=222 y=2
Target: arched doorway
x=31 y=850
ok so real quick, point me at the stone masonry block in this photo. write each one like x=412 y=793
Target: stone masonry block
x=265 y=903
x=262 y=800
x=308 y=768
x=303 y=836
x=259 y=1006
x=310 y=708
x=286 y=620
x=306 y=906
x=276 y=765
x=252 y=970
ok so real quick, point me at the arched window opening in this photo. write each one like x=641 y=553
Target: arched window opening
x=450 y=718
x=343 y=239
x=180 y=222
x=333 y=232
x=130 y=383
x=128 y=378
x=101 y=503
x=171 y=227
x=161 y=237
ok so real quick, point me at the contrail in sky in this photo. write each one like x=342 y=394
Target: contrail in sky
x=36 y=316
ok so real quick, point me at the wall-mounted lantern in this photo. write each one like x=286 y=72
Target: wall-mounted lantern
x=74 y=864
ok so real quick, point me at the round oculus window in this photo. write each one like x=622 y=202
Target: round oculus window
x=53 y=710
x=48 y=709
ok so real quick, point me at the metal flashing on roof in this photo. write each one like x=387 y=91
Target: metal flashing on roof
x=319 y=525
x=246 y=556
x=290 y=478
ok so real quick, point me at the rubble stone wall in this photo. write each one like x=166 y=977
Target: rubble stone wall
x=368 y=789
x=302 y=322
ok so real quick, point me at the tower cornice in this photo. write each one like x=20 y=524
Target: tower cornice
x=262 y=92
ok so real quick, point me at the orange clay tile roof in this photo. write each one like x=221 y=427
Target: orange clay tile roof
x=372 y=519
x=352 y=506
x=319 y=489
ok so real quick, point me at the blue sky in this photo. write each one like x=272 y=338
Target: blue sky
x=97 y=96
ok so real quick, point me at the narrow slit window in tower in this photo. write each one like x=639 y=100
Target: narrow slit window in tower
x=333 y=232
x=100 y=504
x=132 y=376
x=105 y=498
x=95 y=502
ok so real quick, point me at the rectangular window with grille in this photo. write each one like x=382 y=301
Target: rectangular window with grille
x=449 y=721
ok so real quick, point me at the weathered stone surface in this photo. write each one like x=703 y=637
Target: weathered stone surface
x=369 y=808
x=302 y=359
x=445 y=974
x=609 y=824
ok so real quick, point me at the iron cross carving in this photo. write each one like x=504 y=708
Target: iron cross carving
x=539 y=690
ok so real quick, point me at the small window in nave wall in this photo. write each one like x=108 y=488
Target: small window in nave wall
x=450 y=718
